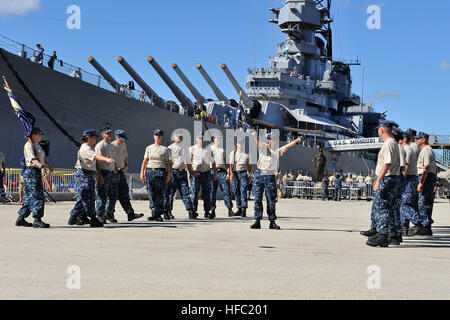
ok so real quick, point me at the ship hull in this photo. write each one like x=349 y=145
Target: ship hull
x=77 y=106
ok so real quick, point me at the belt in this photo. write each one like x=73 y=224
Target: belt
x=221 y=170
x=179 y=170
x=156 y=169
x=239 y=172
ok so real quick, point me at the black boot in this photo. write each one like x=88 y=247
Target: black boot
x=244 y=212
x=171 y=215
x=100 y=219
x=378 y=240
x=416 y=230
x=38 y=223
x=212 y=215
x=166 y=215
x=256 y=225
x=95 y=222
x=238 y=212
x=231 y=213
x=84 y=220
x=21 y=222
x=192 y=215
x=110 y=218
x=156 y=218
x=394 y=241
x=274 y=226
x=135 y=216
x=369 y=233
x=74 y=220
x=400 y=238
x=405 y=229
x=206 y=215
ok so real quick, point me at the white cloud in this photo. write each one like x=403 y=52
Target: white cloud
x=444 y=65
x=18 y=7
x=383 y=93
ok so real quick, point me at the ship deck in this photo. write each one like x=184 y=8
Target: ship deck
x=319 y=254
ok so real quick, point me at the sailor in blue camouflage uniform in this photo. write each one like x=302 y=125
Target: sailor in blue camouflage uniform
x=386 y=187
x=34 y=199
x=107 y=178
x=223 y=177
x=123 y=191
x=85 y=177
x=409 y=196
x=426 y=167
x=155 y=174
x=179 y=157
x=398 y=137
x=201 y=159
x=265 y=179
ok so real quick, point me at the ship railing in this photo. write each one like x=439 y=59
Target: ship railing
x=61 y=66
x=314 y=191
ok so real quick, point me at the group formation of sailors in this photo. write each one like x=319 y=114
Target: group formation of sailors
x=101 y=167
x=405 y=187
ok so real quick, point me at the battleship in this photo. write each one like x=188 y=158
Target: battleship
x=303 y=91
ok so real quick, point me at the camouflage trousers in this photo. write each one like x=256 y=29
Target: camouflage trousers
x=204 y=181
x=383 y=207
x=325 y=194
x=408 y=203
x=337 y=193
x=240 y=188
x=107 y=193
x=398 y=199
x=85 y=183
x=123 y=193
x=426 y=200
x=225 y=184
x=33 y=199
x=2 y=187
x=267 y=183
x=156 y=188
x=178 y=181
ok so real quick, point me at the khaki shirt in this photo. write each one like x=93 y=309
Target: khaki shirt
x=121 y=154
x=2 y=160
x=426 y=158
x=242 y=161
x=268 y=160
x=368 y=180
x=107 y=150
x=157 y=156
x=360 y=179
x=178 y=156
x=201 y=158
x=349 y=180
x=415 y=147
x=86 y=158
x=389 y=154
x=300 y=178
x=308 y=179
x=411 y=160
x=402 y=155
x=220 y=157
x=30 y=154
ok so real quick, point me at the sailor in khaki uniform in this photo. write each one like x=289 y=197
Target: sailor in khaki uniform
x=155 y=173
x=34 y=199
x=426 y=167
x=123 y=191
x=201 y=160
x=386 y=185
x=85 y=177
x=412 y=143
x=242 y=171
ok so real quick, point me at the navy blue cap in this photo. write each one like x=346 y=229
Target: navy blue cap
x=35 y=130
x=421 y=135
x=411 y=132
x=158 y=132
x=269 y=136
x=106 y=129
x=121 y=134
x=387 y=124
x=90 y=133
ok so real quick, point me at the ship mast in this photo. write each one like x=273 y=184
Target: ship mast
x=326 y=31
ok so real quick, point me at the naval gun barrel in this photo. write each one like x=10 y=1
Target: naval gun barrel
x=105 y=74
x=248 y=103
x=211 y=83
x=185 y=101
x=157 y=100
x=198 y=96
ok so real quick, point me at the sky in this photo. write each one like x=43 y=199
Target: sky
x=405 y=63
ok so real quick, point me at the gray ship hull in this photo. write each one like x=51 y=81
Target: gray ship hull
x=78 y=106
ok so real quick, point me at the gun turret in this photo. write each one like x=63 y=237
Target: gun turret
x=211 y=83
x=185 y=101
x=104 y=73
x=248 y=103
x=156 y=100
x=197 y=95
